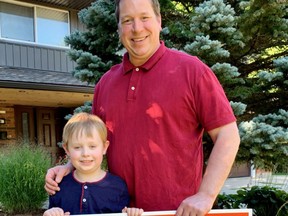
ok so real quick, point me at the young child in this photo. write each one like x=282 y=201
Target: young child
x=88 y=189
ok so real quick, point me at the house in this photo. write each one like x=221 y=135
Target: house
x=37 y=89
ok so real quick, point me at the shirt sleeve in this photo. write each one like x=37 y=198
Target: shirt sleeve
x=213 y=107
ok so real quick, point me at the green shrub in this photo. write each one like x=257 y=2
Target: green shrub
x=228 y=201
x=265 y=201
x=22 y=177
x=283 y=209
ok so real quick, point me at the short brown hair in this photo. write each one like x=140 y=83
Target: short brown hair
x=155 y=6
x=84 y=123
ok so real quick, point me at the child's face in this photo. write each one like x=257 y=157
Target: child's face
x=86 y=153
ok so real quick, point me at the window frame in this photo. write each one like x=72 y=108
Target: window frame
x=36 y=39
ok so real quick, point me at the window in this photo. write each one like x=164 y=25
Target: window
x=16 y=22
x=33 y=24
x=52 y=26
x=25 y=127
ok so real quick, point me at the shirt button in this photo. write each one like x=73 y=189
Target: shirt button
x=84 y=200
x=85 y=187
x=132 y=88
x=137 y=69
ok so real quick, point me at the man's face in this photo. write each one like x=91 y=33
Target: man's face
x=139 y=29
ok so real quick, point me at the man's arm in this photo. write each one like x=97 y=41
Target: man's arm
x=226 y=143
x=55 y=175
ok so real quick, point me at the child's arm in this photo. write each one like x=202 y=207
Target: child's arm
x=55 y=212
x=133 y=211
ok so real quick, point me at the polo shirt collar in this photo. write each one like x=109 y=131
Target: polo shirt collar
x=128 y=66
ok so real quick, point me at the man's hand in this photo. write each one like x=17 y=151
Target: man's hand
x=55 y=212
x=197 y=205
x=54 y=176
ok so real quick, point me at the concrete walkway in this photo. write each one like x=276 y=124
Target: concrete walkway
x=233 y=184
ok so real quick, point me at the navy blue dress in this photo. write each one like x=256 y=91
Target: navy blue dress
x=109 y=195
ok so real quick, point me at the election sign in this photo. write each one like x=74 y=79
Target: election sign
x=213 y=212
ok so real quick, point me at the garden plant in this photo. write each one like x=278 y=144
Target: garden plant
x=22 y=175
x=265 y=201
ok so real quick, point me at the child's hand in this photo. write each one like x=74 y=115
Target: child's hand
x=133 y=211
x=55 y=212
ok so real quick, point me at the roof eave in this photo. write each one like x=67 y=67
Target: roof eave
x=49 y=87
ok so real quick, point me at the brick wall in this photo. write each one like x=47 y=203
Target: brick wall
x=8 y=116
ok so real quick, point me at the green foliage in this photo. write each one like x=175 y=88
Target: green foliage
x=95 y=50
x=264 y=21
x=218 y=20
x=89 y=67
x=228 y=201
x=101 y=37
x=282 y=209
x=22 y=173
x=265 y=201
x=265 y=141
x=87 y=107
x=210 y=51
x=238 y=107
x=281 y=64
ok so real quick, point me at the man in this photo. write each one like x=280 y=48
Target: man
x=156 y=105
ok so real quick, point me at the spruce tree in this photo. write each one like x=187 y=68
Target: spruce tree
x=245 y=42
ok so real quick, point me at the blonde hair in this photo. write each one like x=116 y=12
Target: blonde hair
x=84 y=124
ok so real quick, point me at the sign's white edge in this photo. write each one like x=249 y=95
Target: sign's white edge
x=149 y=213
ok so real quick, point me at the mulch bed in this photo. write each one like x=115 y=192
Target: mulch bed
x=38 y=213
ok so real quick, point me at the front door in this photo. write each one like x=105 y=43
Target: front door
x=25 y=126
x=38 y=125
x=46 y=131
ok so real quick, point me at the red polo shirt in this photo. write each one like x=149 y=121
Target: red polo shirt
x=156 y=115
